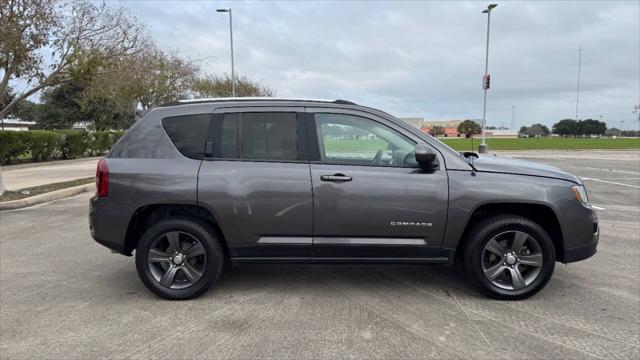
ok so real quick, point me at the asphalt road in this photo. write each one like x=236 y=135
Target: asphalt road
x=64 y=296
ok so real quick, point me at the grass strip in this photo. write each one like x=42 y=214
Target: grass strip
x=37 y=190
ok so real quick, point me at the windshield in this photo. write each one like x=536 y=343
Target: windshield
x=443 y=144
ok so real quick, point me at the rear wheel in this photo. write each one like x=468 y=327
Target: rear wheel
x=179 y=259
x=509 y=257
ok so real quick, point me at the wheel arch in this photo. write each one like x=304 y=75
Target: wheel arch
x=542 y=214
x=148 y=215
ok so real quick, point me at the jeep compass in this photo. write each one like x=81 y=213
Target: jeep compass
x=198 y=184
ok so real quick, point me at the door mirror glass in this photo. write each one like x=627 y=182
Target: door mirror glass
x=426 y=156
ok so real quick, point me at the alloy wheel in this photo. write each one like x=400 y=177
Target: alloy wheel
x=176 y=259
x=512 y=260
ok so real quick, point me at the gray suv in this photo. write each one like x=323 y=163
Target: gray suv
x=195 y=185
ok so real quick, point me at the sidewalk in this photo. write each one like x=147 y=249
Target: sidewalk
x=36 y=174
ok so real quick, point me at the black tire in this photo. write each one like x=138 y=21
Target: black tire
x=475 y=256
x=193 y=229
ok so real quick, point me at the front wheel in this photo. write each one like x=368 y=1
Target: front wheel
x=509 y=257
x=179 y=259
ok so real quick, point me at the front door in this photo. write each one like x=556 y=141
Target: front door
x=371 y=199
x=256 y=181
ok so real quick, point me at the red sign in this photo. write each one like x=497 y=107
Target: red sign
x=486 y=81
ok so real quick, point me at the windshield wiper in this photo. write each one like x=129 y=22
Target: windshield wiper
x=469 y=154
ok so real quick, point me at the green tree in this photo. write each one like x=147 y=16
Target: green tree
x=566 y=127
x=436 y=130
x=27 y=111
x=103 y=115
x=469 y=128
x=537 y=130
x=64 y=105
x=590 y=127
x=60 y=108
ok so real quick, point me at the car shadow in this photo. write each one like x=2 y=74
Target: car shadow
x=307 y=278
x=250 y=279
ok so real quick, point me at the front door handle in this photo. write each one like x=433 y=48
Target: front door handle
x=336 y=178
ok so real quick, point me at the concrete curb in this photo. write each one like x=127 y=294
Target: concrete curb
x=46 y=197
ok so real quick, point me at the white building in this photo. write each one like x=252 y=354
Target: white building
x=502 y=133
x=16 y=125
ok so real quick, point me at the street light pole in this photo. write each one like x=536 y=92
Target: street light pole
x=233 y=72
x=578 y=87
x=486 y=80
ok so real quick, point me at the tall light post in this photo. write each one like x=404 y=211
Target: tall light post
x=578 y=86
x=486 y=80
x=233 y=72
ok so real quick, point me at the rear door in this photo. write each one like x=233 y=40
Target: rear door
x=255 y=179
x=371 y=200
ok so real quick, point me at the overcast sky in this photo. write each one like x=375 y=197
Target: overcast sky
x=422 y=59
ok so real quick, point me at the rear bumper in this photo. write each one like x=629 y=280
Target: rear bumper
x=102 y=228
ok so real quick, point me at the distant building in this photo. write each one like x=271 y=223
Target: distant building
x=415 y=122
x=502 y=133
x=16 y=125
x=448 y=132
x=81 y=125
x=443 y=123
x=450 y=127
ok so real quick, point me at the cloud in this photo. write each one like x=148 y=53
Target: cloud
x=422 y=58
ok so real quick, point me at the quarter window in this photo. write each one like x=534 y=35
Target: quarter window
x=188 y=133
x=354 y=140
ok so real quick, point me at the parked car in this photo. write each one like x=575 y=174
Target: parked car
x=198 y=184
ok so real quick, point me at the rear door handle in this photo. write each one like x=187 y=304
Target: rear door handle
x=336 y=178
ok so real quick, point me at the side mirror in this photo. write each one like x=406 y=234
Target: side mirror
x=426 y=156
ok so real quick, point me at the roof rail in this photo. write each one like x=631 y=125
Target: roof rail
x=224 y=99
x=344 y=102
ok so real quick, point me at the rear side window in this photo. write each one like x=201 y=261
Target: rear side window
x=260 y=136
x=188 y=133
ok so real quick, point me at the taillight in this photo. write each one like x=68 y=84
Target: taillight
x=102 y=179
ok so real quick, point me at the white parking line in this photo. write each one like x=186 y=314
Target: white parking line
x=597 y=207
x=619 y=178
x=613 y=170
x=610 y=182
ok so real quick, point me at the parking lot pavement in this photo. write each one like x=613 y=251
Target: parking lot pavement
x=35 y=174
x=64 y=296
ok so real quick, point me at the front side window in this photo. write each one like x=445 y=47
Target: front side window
x=260 y=136
x=355 y=140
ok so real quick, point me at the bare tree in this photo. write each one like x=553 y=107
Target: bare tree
x=164 y=77
x=80 y=38
x=153 y=77
x=220 y=86
x=150 y=78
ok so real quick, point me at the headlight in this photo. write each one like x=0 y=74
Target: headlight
x=581 y=194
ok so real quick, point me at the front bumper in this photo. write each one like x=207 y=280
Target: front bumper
x=584 y=251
